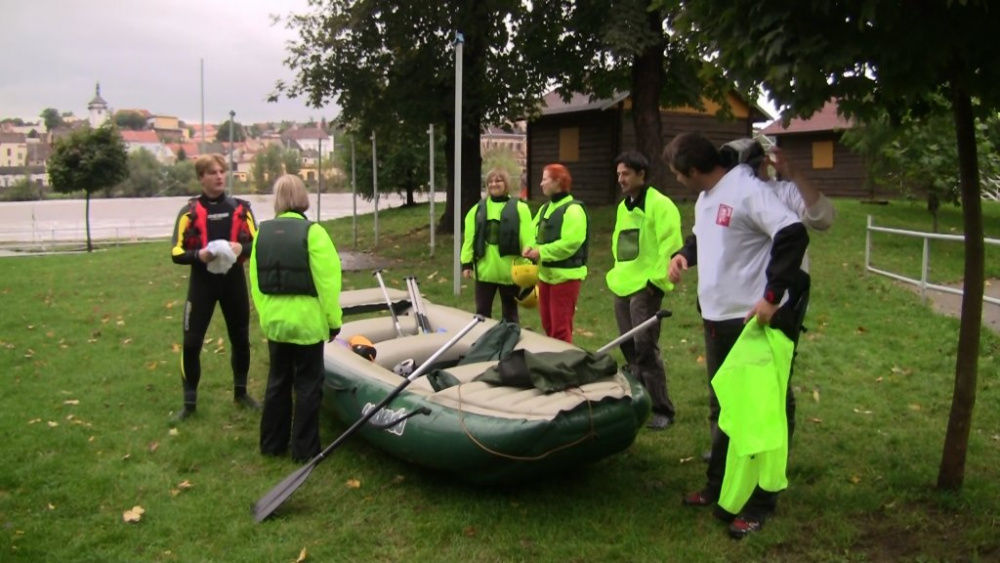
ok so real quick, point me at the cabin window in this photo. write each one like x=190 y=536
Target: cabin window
x=569 y=144
x=822 y=154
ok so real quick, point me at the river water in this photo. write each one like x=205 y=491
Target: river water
x=42 y=222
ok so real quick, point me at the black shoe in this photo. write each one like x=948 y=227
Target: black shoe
x=659 y=422
x=183 y=414
x=247 y=402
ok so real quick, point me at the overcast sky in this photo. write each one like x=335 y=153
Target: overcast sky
x=146 y=55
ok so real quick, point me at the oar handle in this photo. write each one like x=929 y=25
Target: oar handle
x=662 y=314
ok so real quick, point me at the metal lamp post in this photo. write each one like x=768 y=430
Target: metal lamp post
x=232 y=115
x=457 y=203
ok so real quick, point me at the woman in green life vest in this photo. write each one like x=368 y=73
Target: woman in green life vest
x=563 y=230
x=295 y=282
x=497 y=229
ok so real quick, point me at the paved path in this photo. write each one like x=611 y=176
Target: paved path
x=951 y=305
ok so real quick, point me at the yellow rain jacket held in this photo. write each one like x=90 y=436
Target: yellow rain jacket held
x=751 y=386
x=496 y=231
x=562 y=232
x=299 y=270
x=647 y=233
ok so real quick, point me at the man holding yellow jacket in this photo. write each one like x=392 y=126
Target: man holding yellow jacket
x=647 y=233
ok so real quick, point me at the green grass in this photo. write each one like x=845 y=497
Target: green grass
x=874 y=380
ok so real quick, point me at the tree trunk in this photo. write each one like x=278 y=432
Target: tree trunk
x=90 y=244
x=647 y=82
x=951 y=473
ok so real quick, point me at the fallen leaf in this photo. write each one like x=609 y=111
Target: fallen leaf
x=120 y=323
x=50 y=334
x=133 y=515
x=699 y=360
x=207 y=340
x=398 y=479
x=859 y=411
x=151 y=366
x=175 y=347
x=915 y=407
x=126 y=342
x=302 y=556
x=184 y=485
x=816 y=420
x=862 y=330
x=684 y=460
x=583 y=332
x=71 y=402
x=469 y=531
x=29 y=353
x=170 y=304
x=126 y=457
x=816 y=395
x=855 y=479
x=52 y=506
x=219 y=342
x=996 y=437
x=878 y=379
x=430 y=277
x=353 y=484
x=174 y=432
x=91 y=439
x=153 y=446
x=896 y=369
x=31 y=327
x=53 y=424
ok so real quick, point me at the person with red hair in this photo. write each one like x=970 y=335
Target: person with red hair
x=562 y=236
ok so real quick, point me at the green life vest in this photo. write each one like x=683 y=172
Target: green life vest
x=283 y=257
x=550 y=230
x=504 y=233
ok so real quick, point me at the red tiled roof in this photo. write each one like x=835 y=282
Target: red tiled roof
x=140 y=136
x=826 y=119
x=307 y=133
x=190 y=149
x=12 y=137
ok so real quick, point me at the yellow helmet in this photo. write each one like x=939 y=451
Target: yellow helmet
x=525 y=275
x=528 y=297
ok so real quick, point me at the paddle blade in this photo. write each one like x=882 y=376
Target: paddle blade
x=280 y=493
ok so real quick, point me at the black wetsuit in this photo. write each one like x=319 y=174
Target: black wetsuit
x=205 y=289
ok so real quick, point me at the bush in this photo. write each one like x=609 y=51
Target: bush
x=23 y=190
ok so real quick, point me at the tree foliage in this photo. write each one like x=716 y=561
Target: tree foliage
x=88 y=160
x=145 y=176
x=872 y=55
x=402 y=162
x=291 y=159
x=605 y=48
x=239 y=133
x=268 y=164
x=131 y=120
x=51 y=118
x=389 y=64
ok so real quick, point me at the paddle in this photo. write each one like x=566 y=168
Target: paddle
x=635 y=330
x=418 y=305
x=279 y=494
x=388 y=302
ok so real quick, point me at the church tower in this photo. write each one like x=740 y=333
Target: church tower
x=98 y=109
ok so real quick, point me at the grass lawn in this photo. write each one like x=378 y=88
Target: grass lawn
x=89 y=354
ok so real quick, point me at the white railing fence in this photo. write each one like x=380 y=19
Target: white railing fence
x=922 y=283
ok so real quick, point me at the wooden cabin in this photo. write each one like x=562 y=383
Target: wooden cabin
x=813 y=146
x=586 y=135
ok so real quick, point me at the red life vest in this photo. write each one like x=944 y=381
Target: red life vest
x=196 y=233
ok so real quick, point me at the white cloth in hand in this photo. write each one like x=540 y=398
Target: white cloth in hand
x=222 y=256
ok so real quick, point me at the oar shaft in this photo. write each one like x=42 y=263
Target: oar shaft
x=388 y=301
x=635 y=330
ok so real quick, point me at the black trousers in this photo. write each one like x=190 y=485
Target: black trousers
x=643 y=352
x=229 y=290
x=486 y=292
x=299 y=368
x=719 y=340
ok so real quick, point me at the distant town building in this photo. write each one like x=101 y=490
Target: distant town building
x=98 y=108
x=13 y=149
x=515 y=140
x=309 y=139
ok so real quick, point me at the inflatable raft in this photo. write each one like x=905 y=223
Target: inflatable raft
x=478 y=431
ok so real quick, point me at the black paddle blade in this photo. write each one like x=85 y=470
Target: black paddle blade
x=280 y=493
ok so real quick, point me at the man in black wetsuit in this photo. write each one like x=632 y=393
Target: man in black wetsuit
x=213 y=216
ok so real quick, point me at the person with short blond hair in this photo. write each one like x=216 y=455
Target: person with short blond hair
x=295 y=281
x=497 y=230
x=210 y=218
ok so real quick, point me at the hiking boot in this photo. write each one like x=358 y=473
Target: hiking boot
x=699 y=498
x=183 y=414
x=744 y=525
x=247 y=402
x=659 y=422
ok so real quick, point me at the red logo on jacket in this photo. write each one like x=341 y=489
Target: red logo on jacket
x=723 y=216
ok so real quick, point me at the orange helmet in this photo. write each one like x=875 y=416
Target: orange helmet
x=362 y=347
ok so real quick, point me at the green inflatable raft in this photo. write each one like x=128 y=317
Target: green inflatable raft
x=480 y=432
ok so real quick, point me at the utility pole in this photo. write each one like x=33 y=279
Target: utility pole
x=457 y=202
x=232 y=162
x=201 y=147
x=375 y=186
x=430 y=134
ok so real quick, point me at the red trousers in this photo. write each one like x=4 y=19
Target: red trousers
x=557 y=305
